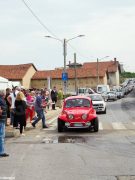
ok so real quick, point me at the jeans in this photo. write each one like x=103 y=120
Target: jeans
x=40 y=115
x=2 y=137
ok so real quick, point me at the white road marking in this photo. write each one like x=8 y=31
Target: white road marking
x=13 y=173
x=37 y=136
x=53 y=126
x=133 y=123
x=100 y=126
x=118 y=125
x=51 y=120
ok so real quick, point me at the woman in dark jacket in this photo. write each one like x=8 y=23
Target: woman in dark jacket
x=8 y=90
x=20 y=115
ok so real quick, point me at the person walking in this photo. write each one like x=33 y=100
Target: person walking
x=30 y=101
x=3 y=117
x=39 y=108
x=54 y=94
x=8 y=90
x=20 y=107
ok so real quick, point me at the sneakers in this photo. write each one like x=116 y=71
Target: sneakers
x=22 y=134
x=4 y=155
x=33 y=125
x=45 y=126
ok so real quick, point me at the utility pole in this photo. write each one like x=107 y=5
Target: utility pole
x=64 y=70
x=98 y=67
x=64 y=53
x=75 y=73
x=64 y=73
x=97 y=71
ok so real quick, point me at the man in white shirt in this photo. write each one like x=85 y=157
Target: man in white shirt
x=11 y=98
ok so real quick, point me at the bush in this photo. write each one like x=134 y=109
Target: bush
x=60 y=95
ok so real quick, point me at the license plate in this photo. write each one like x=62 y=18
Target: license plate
x=78 y=125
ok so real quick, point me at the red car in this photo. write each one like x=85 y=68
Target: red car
x=78 y=112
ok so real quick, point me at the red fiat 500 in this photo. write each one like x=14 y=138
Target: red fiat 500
x=78 y=112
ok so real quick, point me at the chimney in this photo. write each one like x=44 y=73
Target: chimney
x=115 y=60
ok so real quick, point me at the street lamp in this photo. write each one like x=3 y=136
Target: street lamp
x=64 y=42
x=98 y=68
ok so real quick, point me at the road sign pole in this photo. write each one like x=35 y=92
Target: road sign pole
x=64 y=71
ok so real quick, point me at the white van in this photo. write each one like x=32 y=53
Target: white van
x=102 y=88
x=85 y=91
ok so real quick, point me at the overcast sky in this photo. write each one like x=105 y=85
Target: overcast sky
x=108 y=26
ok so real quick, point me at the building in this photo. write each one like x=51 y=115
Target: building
x=112 y=68
x=86 y=77
x=21 y=72
x=79 y=75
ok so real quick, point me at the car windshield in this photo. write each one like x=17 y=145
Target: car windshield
x=80 y=102
x=96 y=98
x=112 y=93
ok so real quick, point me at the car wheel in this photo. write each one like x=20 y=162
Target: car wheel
x=104 y=111
x=60 y=125
x=96 y=125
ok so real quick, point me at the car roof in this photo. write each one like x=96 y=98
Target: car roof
x=78 y=97
x=95 y=94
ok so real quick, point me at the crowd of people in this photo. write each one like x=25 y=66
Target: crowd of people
x=18 y=106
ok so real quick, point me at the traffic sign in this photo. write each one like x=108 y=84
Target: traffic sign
x=64 y=76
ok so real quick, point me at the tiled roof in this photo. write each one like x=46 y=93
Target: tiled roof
x=57 y=74
x=87 y=70
x=14 y=72
x=110 y=66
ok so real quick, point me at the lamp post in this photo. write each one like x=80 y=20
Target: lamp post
x=75 y=73
x=98 y=67
x=64 y=42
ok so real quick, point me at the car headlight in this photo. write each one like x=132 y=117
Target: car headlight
x=84 y=116
x=70 y=116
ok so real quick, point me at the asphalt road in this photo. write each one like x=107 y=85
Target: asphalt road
x=77 y=155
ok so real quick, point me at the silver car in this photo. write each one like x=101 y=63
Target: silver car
x=111 y=96
x=98 y=103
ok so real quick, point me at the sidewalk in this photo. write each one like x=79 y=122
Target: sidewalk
x=10 y=132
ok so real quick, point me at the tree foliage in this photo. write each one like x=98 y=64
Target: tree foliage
x=128 y=75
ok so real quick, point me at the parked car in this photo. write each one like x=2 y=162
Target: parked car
x=102 y=88
x=78 y=112
x=98 y=103
x=120 y=94
x=85 y=91
x=111 y=95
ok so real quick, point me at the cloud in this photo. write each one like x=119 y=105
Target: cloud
x=108 y=26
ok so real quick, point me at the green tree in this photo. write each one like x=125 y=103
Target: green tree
x=126 y=75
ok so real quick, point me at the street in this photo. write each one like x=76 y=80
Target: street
x=76 y=155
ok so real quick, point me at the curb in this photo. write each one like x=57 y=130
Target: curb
x=10 y=133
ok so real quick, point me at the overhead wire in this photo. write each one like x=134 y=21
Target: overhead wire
x=38 y=19
x=46 y=28
x=80 y=54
